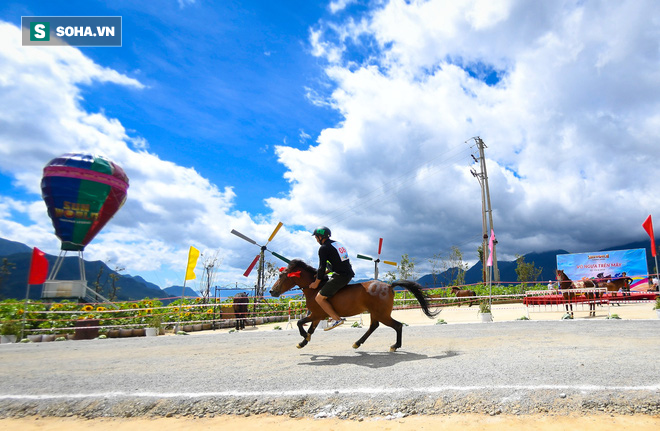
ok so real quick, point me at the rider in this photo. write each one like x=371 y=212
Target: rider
x=336 y=254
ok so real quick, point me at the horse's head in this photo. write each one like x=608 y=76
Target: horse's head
x=297 y=273
x=564 y=281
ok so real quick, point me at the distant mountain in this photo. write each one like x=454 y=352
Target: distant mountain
x=11 y=247
x=173 y=291
x=15 y=286
x=546 y=260
x=135 y=287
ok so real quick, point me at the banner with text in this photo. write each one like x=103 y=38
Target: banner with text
x=605 y=264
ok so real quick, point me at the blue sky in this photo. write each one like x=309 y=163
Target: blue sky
x=353 y=114
x=226 y=82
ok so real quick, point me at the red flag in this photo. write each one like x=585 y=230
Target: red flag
x=648 y=227
x=38 y=267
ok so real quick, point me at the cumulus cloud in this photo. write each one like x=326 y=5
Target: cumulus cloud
x=564 y=94
x=339 y=5
x=169 y=207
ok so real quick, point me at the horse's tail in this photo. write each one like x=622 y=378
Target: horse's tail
x=416 y=290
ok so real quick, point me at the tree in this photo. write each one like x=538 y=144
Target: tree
x=526 y=271
x=406 y=268
x=271 y=272
x=480 y=252
x=114 y=288
x=454 y=267
x=436 y=263
x=98 y=287
x=390 y=276
x=5 y=272
x=209 y=265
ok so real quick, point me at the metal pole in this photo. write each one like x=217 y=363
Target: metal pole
x=177 y=327
x=262 y=276
x=490 y=288
x=25 y=306
x=656 y=265
x=484 y=236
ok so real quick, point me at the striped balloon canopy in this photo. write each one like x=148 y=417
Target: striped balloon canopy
x=82 y=193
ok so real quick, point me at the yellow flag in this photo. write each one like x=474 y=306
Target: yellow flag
x=193 y=254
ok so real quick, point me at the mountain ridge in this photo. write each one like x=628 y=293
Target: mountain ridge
x=135 y=287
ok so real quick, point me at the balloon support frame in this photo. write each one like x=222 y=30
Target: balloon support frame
x=78 y=289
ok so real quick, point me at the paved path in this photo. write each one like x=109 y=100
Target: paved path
x=517 y=365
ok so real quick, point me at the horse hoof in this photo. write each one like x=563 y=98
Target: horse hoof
x=356 y=345
x=300 y=345
x=393 y=349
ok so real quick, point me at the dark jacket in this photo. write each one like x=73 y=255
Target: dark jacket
x=335 y=253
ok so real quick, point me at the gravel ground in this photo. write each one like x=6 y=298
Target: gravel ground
x=518 y=368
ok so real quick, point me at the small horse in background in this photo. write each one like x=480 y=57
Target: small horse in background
x=566 y=285
x=464 y=293
x=374 y=296
x=240 y=305
x=615 y=284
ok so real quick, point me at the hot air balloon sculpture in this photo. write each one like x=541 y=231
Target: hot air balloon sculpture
x=82 y=193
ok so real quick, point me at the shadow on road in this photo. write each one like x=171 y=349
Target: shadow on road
x=371 y=359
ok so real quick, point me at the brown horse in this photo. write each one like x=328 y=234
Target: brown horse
x=374 y=296
x=240 y=306
x=464 y=293
x=615 y=284
x=566 y=284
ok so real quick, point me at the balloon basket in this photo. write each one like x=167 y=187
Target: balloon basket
x=64 y=289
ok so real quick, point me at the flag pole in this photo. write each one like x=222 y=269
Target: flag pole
x=193 y=254
x=27 y=295
x=648 y=227
x=177 y=328
x=656 y=266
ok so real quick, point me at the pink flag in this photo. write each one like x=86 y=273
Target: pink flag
x=38 y=267
x=490 y=248
x=648 y=227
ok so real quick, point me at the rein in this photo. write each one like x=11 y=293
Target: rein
x=294 y=275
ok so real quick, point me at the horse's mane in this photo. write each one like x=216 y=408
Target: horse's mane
x=300 y=264
x=564 y=281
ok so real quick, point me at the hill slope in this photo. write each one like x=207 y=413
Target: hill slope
x=135 y=287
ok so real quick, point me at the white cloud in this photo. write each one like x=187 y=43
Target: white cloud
x=184 y=3
x=572 y=161
x=339 y=5
x=570 y=123
x=169 y=207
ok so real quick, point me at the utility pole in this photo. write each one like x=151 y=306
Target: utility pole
x=484 y=230
x=486 y=208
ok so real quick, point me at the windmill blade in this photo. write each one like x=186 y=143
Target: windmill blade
x=254 y=262
x=279 y=256
x=362 y=256
x=380 y=246
x=389 y=262
x=240 y=235
x=272 y=235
